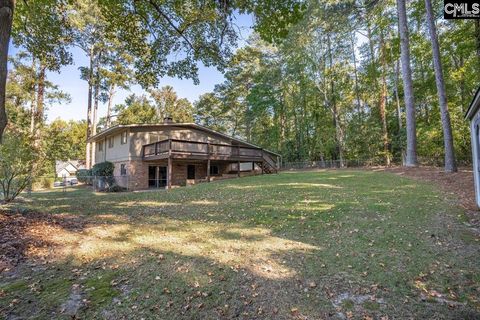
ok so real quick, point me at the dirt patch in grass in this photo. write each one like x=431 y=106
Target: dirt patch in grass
x=27 y=233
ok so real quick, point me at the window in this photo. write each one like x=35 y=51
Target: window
x=123 y=169
x=190 y=171
x=110 y=142
x=100 y=146
x=124 y=138
x=213 y=170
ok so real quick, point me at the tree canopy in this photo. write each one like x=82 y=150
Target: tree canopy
x=315 y=81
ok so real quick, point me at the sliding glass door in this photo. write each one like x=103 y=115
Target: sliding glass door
x=157 y=176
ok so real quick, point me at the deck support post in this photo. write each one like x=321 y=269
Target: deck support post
x=262 y=167
x=169 y=166
x=169 y=173
x=208 y=161
x=208 y=170
x=238 y=169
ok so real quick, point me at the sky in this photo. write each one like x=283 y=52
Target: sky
x=68 y=80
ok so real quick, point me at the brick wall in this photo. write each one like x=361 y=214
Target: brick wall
x=137 y=172
x=180 y=171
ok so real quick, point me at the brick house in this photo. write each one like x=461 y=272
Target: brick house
x=173 y=154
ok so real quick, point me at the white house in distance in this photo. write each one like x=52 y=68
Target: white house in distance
x=68 y=168
x=473 y=115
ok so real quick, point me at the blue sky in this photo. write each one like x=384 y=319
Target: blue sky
x=68 y=80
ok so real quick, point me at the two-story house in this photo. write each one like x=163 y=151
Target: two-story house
x=177 y=154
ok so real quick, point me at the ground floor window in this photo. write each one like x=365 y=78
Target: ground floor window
x=157 y=176
x=213 y=170
x=123 y=169
x=190 y=171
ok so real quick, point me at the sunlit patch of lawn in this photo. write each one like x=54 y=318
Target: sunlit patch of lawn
x=299 y=244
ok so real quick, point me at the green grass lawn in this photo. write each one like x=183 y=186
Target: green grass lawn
x=306 y=245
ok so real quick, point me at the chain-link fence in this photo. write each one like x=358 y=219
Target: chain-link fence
x=322 y=164
x=359 y=163
x=108 y=184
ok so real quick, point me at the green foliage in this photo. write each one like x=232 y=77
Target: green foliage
x=209 y=112
x=84 y=175
x=40 y=28
x=308 y=84
x=317 y=94
x=43 y=183
x=65 y=140
x=103 y=169
x=137 y=109
x=167 y=103
x=18 y=160
x=164 y=102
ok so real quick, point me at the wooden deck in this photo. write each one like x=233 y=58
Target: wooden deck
x=194 y=150
x=174 y=149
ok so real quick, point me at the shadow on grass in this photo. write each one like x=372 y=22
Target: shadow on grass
x=305 y=241
x=27 y=233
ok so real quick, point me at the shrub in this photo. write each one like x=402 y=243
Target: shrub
x=18 y=162
x=103 y=169
x=43 y=183
x=84 y=176
x=116 y=188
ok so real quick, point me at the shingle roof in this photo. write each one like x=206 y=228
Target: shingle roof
x=77 y=164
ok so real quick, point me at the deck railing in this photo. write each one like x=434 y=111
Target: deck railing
x=196 y=148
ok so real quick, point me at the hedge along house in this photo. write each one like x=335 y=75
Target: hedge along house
x=173 y=154
x=473 y=115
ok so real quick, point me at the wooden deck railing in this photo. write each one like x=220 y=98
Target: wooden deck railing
x=203 y=149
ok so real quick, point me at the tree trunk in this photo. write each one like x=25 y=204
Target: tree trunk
x=39 y=111
x=357 y=91
x=6 y=18
x=450 y=164
x=96 y=97
x=399 y=110
x=96 y=93
x=397 y=95
x=111 y=93
x=411 y=157
x=32 y=97
x=88 y=159
x=383 y=101
x=336 y=122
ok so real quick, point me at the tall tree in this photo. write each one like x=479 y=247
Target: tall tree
x=411 y=156
x=136 y=109
x=450 y=164
x=168 y=104
x=383 y=99
x=90 y=34
x=6 y=20
x=40 y=29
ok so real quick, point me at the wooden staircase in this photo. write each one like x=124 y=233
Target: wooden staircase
x=268 y=165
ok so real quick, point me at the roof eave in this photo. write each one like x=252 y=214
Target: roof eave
x=474 y=105
x=187 y=124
